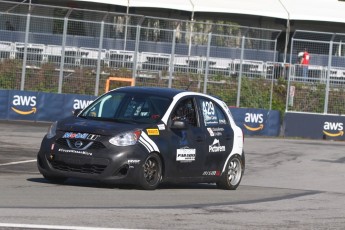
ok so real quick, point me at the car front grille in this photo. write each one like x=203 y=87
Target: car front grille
x=86 y=168
x=80 y=164
x=94 y=144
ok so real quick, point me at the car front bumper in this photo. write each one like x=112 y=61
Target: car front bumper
x=110 y=165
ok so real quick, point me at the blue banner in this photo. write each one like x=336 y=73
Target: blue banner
x=314 y=126
x=257 y=121
x=3 y=104
x=76 y=101
x=50 y=106
x=22 y=105
x=39 y=106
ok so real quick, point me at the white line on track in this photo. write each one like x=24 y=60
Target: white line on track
x=17 y=162
x=36 y=226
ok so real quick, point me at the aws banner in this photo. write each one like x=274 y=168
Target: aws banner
x=38 y=106
x=257 y=121
x=22 y=105
x=314 y=126
x=3 y=104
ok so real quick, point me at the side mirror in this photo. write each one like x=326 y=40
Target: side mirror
x=76 y=112
x=179 y=124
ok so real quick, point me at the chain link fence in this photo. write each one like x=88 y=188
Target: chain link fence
x=66 y=50
x=321 y=89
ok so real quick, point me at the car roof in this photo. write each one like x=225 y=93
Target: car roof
x=164 y=92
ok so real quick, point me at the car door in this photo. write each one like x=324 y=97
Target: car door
x=186 y=144
x=219 y=139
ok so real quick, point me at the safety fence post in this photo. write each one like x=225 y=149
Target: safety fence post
x=98 y=70
x=27 y=29
x=240 y=74
x=171 y=64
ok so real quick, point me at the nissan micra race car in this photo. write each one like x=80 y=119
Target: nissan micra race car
x=146 y=136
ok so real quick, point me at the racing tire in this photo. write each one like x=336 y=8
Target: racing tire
x=151 y=172
x=54 y=179
x=232 y=176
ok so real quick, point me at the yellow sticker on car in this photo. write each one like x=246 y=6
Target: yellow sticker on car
x=152 y=132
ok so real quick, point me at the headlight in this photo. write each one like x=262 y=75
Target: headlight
x=52 y=130
x=126 y=139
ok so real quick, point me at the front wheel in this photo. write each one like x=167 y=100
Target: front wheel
x=232 y=176
x=151 y=172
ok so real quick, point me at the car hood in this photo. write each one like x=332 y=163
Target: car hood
x=105 y=128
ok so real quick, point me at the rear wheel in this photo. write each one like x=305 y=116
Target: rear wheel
x=151 y=172
x=232 y=176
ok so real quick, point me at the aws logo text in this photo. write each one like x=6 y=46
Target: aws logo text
x=254 y=118
x=333 y=129
x=81 y=104
x=24 y=101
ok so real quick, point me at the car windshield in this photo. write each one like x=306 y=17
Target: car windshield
x=127 y=108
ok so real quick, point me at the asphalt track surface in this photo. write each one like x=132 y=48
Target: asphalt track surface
x=288 y=184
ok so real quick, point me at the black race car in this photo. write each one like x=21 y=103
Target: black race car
x=145 y=136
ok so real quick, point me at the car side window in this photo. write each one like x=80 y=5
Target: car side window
x=185 y=110
x=213 y=115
